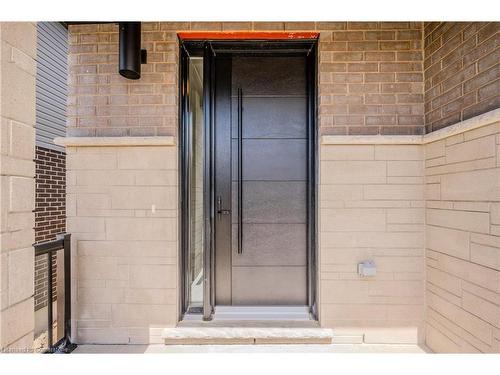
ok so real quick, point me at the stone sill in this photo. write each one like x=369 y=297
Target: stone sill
x=114 y=141
x=460 y=127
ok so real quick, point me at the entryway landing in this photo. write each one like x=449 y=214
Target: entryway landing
x=246 y=335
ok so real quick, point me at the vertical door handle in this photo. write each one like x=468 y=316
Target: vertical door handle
x=240 y=171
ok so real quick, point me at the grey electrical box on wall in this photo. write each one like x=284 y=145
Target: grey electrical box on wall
x=367 y=268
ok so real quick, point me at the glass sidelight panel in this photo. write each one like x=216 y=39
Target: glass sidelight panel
x=195 y=181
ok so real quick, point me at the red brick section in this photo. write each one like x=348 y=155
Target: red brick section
x=50 y=210
x=370 y=77
x=462 y=71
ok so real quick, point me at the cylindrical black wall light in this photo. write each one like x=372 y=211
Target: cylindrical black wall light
x=130 y=50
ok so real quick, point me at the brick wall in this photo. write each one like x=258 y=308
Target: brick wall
x=50 y=211
x=462 y=71
x=463 y=241
x=370 y=78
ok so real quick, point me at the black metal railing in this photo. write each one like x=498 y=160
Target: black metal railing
x=49 y=248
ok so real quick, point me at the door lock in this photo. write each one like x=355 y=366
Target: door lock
x=220 y=210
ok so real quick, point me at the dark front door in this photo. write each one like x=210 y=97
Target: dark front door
x=260 y=184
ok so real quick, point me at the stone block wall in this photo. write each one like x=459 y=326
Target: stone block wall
x=122 y=214
x=463 y=241
x=17 y=195
x=372 y=208
x=462 y=71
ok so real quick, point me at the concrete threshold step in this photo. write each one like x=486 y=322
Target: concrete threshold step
x=245 y=336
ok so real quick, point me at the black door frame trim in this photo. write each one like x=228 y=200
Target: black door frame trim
x=208 y=49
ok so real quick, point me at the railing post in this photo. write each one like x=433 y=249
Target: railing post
x=50 y=318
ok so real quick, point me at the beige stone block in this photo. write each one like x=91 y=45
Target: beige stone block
x=454 y=139
x=351 y=312
x=17 y=167
x=19 y=220
x=141 y=229
x=153 y=276
x=393 y=192
x=22 y=194
x=371 y=239
x=429 y=163
x=84 y=161
x=486 y=255
x=405 y=168
x=17 y=321
x=470 y=322
x=137 y=315
x=104 y=177
x=432 y=191
x=481 y=292
x=101 y=268
x=147 y=158
x=352 y=220
x=97 y=311
x=352 y=172
x=481 y=185
x=495 y=213
x=347 y=152
x=85 y=225
x=71 y=205
x=92 y=201
x=377 y=204
x=405 y=180
x=23 y=61
x=126 y=249
x=393 y=335
x=156 y=178
x=341 y=192
x=19 y=103
x=151 y=296
x=21 y=274
x=398 y=152
x=471 y=272
x=405 y=216
x=22 y=140
x=407 y=264
x=21 y=35
x=466 y=166
x=100 y=295
x=435 y=150
x=405 y=227
x=444 y=280
x=482 y=131
x=448 y=241
x=472 y=206
x=475 y=149
x=481 y=308
x=143 y=197
x=438 y=341
x=464 y=220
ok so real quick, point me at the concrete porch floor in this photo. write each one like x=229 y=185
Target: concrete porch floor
x=289 y=348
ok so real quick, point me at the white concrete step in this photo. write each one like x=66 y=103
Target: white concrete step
x=246 y=335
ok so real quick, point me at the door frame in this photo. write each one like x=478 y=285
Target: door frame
x=208 y=49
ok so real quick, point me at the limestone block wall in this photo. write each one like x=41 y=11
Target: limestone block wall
x=463 y=241
x=17 y=187
x=371 y=207
x=122 y=214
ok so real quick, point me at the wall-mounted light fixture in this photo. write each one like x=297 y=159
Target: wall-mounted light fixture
x=130 y=54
